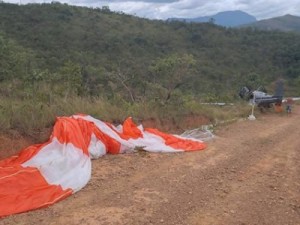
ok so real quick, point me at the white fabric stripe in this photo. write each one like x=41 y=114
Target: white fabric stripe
x=96 y=148
x=62 y=164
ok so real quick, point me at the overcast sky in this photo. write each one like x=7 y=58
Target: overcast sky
x=163 y=9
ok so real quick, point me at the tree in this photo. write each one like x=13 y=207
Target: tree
x=172 y=71
x=106 y=9
x=211 y=20
x=121 y=76
x=69 y=78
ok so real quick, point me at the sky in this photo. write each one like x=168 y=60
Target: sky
x=163 y=9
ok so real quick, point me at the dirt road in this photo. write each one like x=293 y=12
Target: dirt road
x=250 y=174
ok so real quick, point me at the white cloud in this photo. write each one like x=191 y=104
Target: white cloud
x=163 y=9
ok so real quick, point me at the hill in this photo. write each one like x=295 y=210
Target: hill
x=226 y=19
x=95 y=52
x=285 y=23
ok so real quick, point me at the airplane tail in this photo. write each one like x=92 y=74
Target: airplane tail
x=279 y=89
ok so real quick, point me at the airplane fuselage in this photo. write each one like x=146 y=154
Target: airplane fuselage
x=262 y=99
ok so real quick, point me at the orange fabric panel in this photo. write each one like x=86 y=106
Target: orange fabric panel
x=24 y=189
x=130 y=129
x=75 y=131
x=178 y=143
x=112 y=145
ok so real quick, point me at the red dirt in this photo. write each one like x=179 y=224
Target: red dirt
x=250 y=174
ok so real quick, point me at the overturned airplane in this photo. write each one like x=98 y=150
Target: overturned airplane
x=260 y=98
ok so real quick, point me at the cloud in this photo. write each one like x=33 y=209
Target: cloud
x=271 y=8
x=120 y=1
x=153 y=1
x=163 y=9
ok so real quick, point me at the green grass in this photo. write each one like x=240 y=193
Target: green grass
x=30 y=117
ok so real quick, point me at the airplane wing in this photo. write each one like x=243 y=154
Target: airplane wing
x=291 y=98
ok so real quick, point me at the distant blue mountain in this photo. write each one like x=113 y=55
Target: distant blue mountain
x=226 y=19
x=285 y=23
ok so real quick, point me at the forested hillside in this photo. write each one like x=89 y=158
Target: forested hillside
x=56 y=51
x=102 y=47
x=287 y=23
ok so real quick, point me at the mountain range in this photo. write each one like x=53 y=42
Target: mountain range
x=283 y=23
x=226 y=19
x=239 y=19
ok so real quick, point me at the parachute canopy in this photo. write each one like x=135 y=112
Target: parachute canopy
x=43 y=174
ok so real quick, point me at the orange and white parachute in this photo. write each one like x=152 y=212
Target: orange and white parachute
x=43 y=174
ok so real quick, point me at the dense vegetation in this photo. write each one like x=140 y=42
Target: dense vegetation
x=57 y=59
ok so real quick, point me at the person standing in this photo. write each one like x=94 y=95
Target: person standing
x=289 y=103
